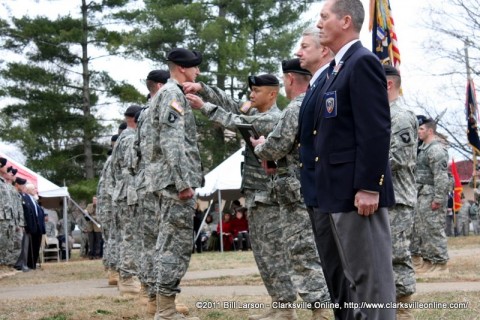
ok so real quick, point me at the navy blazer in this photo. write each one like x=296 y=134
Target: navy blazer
x=33 y=224
x=305 y=139
x=352 y=120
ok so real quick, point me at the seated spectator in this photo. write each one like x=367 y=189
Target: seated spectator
x=50 y=228
x=210 y=234
x=240 y=229
x=227 y=231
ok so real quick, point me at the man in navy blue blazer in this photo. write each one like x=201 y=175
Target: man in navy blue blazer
x=35 y=223
x=352 y=173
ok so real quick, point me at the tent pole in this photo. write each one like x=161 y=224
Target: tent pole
x=203 y=221
x=220 y=218
x=65 y=226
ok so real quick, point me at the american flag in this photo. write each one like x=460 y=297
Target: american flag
x=384 y=38
x=472 y=117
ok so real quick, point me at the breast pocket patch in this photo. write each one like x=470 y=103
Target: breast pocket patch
x=330 y=104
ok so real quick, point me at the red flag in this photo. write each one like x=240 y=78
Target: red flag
x=457 y=200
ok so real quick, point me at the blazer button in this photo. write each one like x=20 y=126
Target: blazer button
x=314 y=132
x=316 y=159
x=301 y=165
x=380 y=183
x=299 y=145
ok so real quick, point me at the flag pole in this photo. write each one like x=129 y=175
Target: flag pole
x=467 y=65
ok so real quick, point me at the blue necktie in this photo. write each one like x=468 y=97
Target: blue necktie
x=330 y=68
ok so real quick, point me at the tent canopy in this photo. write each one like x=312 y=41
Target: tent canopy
x=45 y=188
x=226 y=178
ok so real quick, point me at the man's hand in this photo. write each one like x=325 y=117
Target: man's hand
x=186 y=194
x=195 y=101
x=268 y=171
x=366 y=202
x=256 y=142
x=191 y=87
x=435 y=205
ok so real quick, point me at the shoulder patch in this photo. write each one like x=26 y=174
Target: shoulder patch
x=405 y=136
x=172 y=117
x=246 y=107
x=175 y=105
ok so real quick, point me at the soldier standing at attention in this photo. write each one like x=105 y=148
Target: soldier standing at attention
x=403 y=155
x=432 y=187
x=307 y=274
x=172 y=174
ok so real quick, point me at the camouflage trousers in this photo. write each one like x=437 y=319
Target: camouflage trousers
x=16 y=244
x=428 y=237
x=305 y=268
x=174 y=241
x=129 y=223
x=401 y=223
x=114 y=239
x=148 y=233
x=266 y=238
x=6 y=242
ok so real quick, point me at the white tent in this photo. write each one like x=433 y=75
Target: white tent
x=225 y=179
x=45 y=188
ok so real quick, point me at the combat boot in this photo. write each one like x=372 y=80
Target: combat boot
x=437 y=270
x=283 y=314
x=180 y=307
x=417 y=262
x=321 y=314
x=143 y=295
x=112 y=277
x=270 y=312
x=152 y=305
x=427 y=265
x=166 y=309
x=129 y=287
x=404 y=313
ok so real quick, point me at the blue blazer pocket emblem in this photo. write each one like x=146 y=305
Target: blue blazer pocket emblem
x=330 y=109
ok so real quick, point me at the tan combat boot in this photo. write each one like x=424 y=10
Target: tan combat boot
x=166 y=309
x=404 y=313
x=152 y=305
x=180 y=307
x=417 y=262
x=321 y=314
x=143 y=295
x=269 y=313
x=129 y=287
x=437 y=270
x=112 y=277
x=283 y=314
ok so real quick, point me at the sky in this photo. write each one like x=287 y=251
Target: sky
x=418 y=69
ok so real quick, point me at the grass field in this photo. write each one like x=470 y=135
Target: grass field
x=464 y=266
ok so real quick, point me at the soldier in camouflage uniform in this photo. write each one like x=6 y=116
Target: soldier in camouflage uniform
x=432 y=188
x=266 y=231
x=463 y=222
x=172 y=173
x=403 y=155
x=125 y=198
x=473 y=214
x=298 y=239
x=143 y=143
x=6 y=231
x=106 y=217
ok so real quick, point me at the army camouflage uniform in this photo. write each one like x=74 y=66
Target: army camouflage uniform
x=473 y=214
x=105 y=212
x=432 y=185
x=463 y=219
x=403 y=155
x=174 y=166
x=266 y=232
x=146 y=202
x=124 y=197
x=6 y=219
x=305 y=269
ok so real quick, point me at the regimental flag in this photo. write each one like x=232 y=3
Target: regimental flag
x=384 y=38
x=457 y=192
x=472 y=117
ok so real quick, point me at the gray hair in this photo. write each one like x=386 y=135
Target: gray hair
x=353 y=8
x=313 y=32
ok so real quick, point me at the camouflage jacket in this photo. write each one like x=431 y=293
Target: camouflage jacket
x=5 y=201
x=104 y=191
x=121 y=161
x=175 y=158
x=403 y=153
x=431 y=171
x=143 y=146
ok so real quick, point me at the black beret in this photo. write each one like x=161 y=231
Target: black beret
x=160 y=76
x=3 y=162
x=293 y=65
x=263 y=80
x=9 y=169
x=114 y=138
x=132 y=111
x=185 y=58
x=390 y=70
x=122 y=126
x=423 y=119
x=109 y=152
x=14 y=171
x=20 y=181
